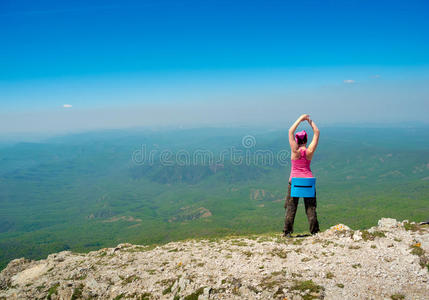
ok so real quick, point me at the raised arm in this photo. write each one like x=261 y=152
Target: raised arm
x=313 y=145
x=292 y=142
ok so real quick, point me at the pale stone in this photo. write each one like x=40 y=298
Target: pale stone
x=235 y=268
x=29 y=275
x=387 y=223
x=357 y=235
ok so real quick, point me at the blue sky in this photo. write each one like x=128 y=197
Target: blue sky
x=136 y=63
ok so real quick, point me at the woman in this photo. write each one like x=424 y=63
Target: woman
x=300 y=167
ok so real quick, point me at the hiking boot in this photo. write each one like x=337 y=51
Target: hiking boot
x=287 y=235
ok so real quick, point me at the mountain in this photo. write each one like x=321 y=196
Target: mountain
x=93 y=190
x=390 y=260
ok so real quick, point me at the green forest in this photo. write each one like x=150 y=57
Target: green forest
x=86 y=191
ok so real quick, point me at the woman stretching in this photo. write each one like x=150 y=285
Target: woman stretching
x=300 y=167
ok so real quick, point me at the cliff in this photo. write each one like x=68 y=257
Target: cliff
x=390 y=260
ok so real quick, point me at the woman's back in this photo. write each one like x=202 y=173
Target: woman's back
x=300 y=167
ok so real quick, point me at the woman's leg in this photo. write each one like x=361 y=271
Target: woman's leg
x=310 y=210
x=291 y=204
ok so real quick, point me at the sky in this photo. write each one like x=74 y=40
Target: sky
x=80 y=65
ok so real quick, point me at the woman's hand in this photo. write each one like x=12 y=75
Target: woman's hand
x=304 y=117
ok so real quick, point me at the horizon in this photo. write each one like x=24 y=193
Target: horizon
x=36 y=137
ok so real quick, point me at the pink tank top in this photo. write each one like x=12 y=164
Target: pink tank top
x=300 y=167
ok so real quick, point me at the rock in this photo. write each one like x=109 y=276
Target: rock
x=59 y=257
x=337 y=230
x=13 y=268
x=244 y=291
x=357 y=235
x=333 y=264
x=175 y=285
x=206 y=291
x=92 y=284
x=29 y=275
x=182 y=283
x=387 y=223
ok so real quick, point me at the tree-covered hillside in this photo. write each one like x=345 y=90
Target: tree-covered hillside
x=97 y=189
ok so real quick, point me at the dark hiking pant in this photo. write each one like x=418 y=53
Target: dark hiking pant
x=291 y=205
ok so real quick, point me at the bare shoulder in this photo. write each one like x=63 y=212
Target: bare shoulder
x=294 y=154
x=309 y=154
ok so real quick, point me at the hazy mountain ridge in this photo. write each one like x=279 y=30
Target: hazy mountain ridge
x=390 y=260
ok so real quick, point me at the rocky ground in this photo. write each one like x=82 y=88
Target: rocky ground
x=388 y=261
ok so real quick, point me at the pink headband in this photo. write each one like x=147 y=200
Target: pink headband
x=300 y=135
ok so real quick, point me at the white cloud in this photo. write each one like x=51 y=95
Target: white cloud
x=349 y=81
x=376 y=76
x=67 y=106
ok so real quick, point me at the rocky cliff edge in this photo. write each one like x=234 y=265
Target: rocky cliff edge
x=388 y=261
